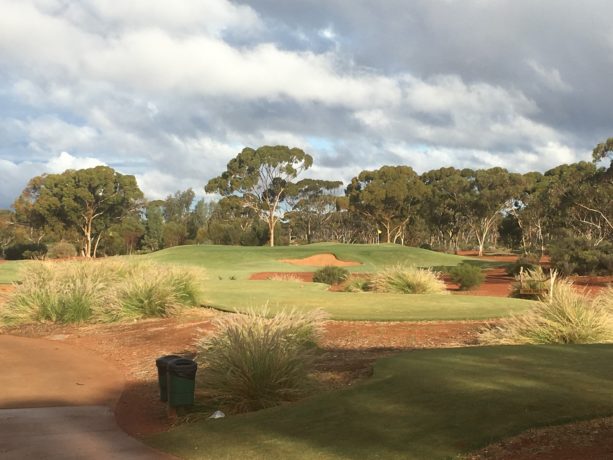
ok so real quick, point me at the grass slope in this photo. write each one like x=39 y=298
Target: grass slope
x=241 y=261
x=276 y=295
x=9 y=271
x=223 y=262
x=431 y=404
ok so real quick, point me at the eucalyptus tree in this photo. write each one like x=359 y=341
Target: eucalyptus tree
x=388 y=196
x=260 y=177
x=312 y=204
x=86 y=200
x=445 y=203
x=492 y=192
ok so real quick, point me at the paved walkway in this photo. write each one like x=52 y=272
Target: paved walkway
x=56 y=403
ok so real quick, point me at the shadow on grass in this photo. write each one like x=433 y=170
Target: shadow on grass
x=420 y=404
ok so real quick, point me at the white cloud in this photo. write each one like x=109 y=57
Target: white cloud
x=550 y=77
x=15 y=176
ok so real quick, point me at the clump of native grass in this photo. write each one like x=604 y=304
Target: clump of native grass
x=99 y=291
x=532 y=283
x=563 y=315
x=256 y=360
x=284 y=277
x=408 y=279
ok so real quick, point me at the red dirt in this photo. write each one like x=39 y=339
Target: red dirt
x=321 y=260
x=306 y=277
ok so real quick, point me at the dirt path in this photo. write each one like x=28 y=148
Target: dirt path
x=42 y=382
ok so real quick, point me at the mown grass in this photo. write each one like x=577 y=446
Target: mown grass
x=432 y=404
x=277 y=295
x=241 y=261
x=225 y=262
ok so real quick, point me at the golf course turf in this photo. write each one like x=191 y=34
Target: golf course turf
x=433 y=404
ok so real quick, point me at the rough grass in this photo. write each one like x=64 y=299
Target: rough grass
x=284 y=277
x=467 y=276
x=257 y=360
x=429 y=404
x=406 y=279
x=99 y=290
x=565 y=316
x=533 y=279
x=330 y=275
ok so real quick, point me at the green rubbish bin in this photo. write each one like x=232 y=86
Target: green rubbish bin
x=181 y=382
x=162 y=365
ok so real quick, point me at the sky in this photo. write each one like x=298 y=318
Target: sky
x=170 y=91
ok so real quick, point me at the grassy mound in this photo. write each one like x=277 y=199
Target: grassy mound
x=432 y=404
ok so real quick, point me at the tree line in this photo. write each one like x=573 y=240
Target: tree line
x=262 y=200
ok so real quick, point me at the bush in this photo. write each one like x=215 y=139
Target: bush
x=468 y=276
x=523 y=262
x=565 y=317
x=330 y=275
x=408 y=280
x=22 y=251
x=89 y=290
x=581 y=257
x=358 y=285
x=61 y=250
x=254 y=362
x=531 y=284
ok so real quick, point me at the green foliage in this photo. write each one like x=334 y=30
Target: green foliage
x=467 y=276
x=61 y=250
x=259 y=179
x=581 y=257
x=330 y=275
x=87 y=201
x=523 y=262
x=358 y=285
x=254 y=361
x=25 y=251
x=565 y=316
x=102 y=290
x=387 y=197
x=407 y=279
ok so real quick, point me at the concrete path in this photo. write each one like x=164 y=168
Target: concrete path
x=41 y=383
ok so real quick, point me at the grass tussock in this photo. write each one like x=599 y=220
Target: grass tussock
x=532 y=283
x=563 y=316
x=284 y=277
x=255 y=361
x=100 y=291
x=407 y=279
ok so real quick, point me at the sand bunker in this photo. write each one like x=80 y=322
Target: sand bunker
x=321 y=260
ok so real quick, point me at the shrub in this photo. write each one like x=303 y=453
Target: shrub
x=358 y=285
x=581 y=257
x=523 y=262
x=566 y=316
x=408 y=280
x=468 y=276
x=254 y=362
x=22 y=251
x=61 y=250
x=531 y=283
x=330 y=275
x=88 y=290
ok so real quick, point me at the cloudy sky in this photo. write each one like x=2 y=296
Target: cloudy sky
x=171 y=90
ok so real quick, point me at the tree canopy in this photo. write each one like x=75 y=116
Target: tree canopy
x=260 y=178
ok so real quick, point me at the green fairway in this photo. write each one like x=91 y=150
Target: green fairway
x=432 y=404
x=225 y=262
x=276 y=295
x=9 y=271
x=241 y=261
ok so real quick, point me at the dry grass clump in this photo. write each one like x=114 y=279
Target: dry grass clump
x=564 y=316
x=255 y=361
x=284 y=277
x=408 y=279
x=99 y=290
x=534 y=281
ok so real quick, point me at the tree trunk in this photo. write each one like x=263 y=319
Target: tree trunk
x=271 y=232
